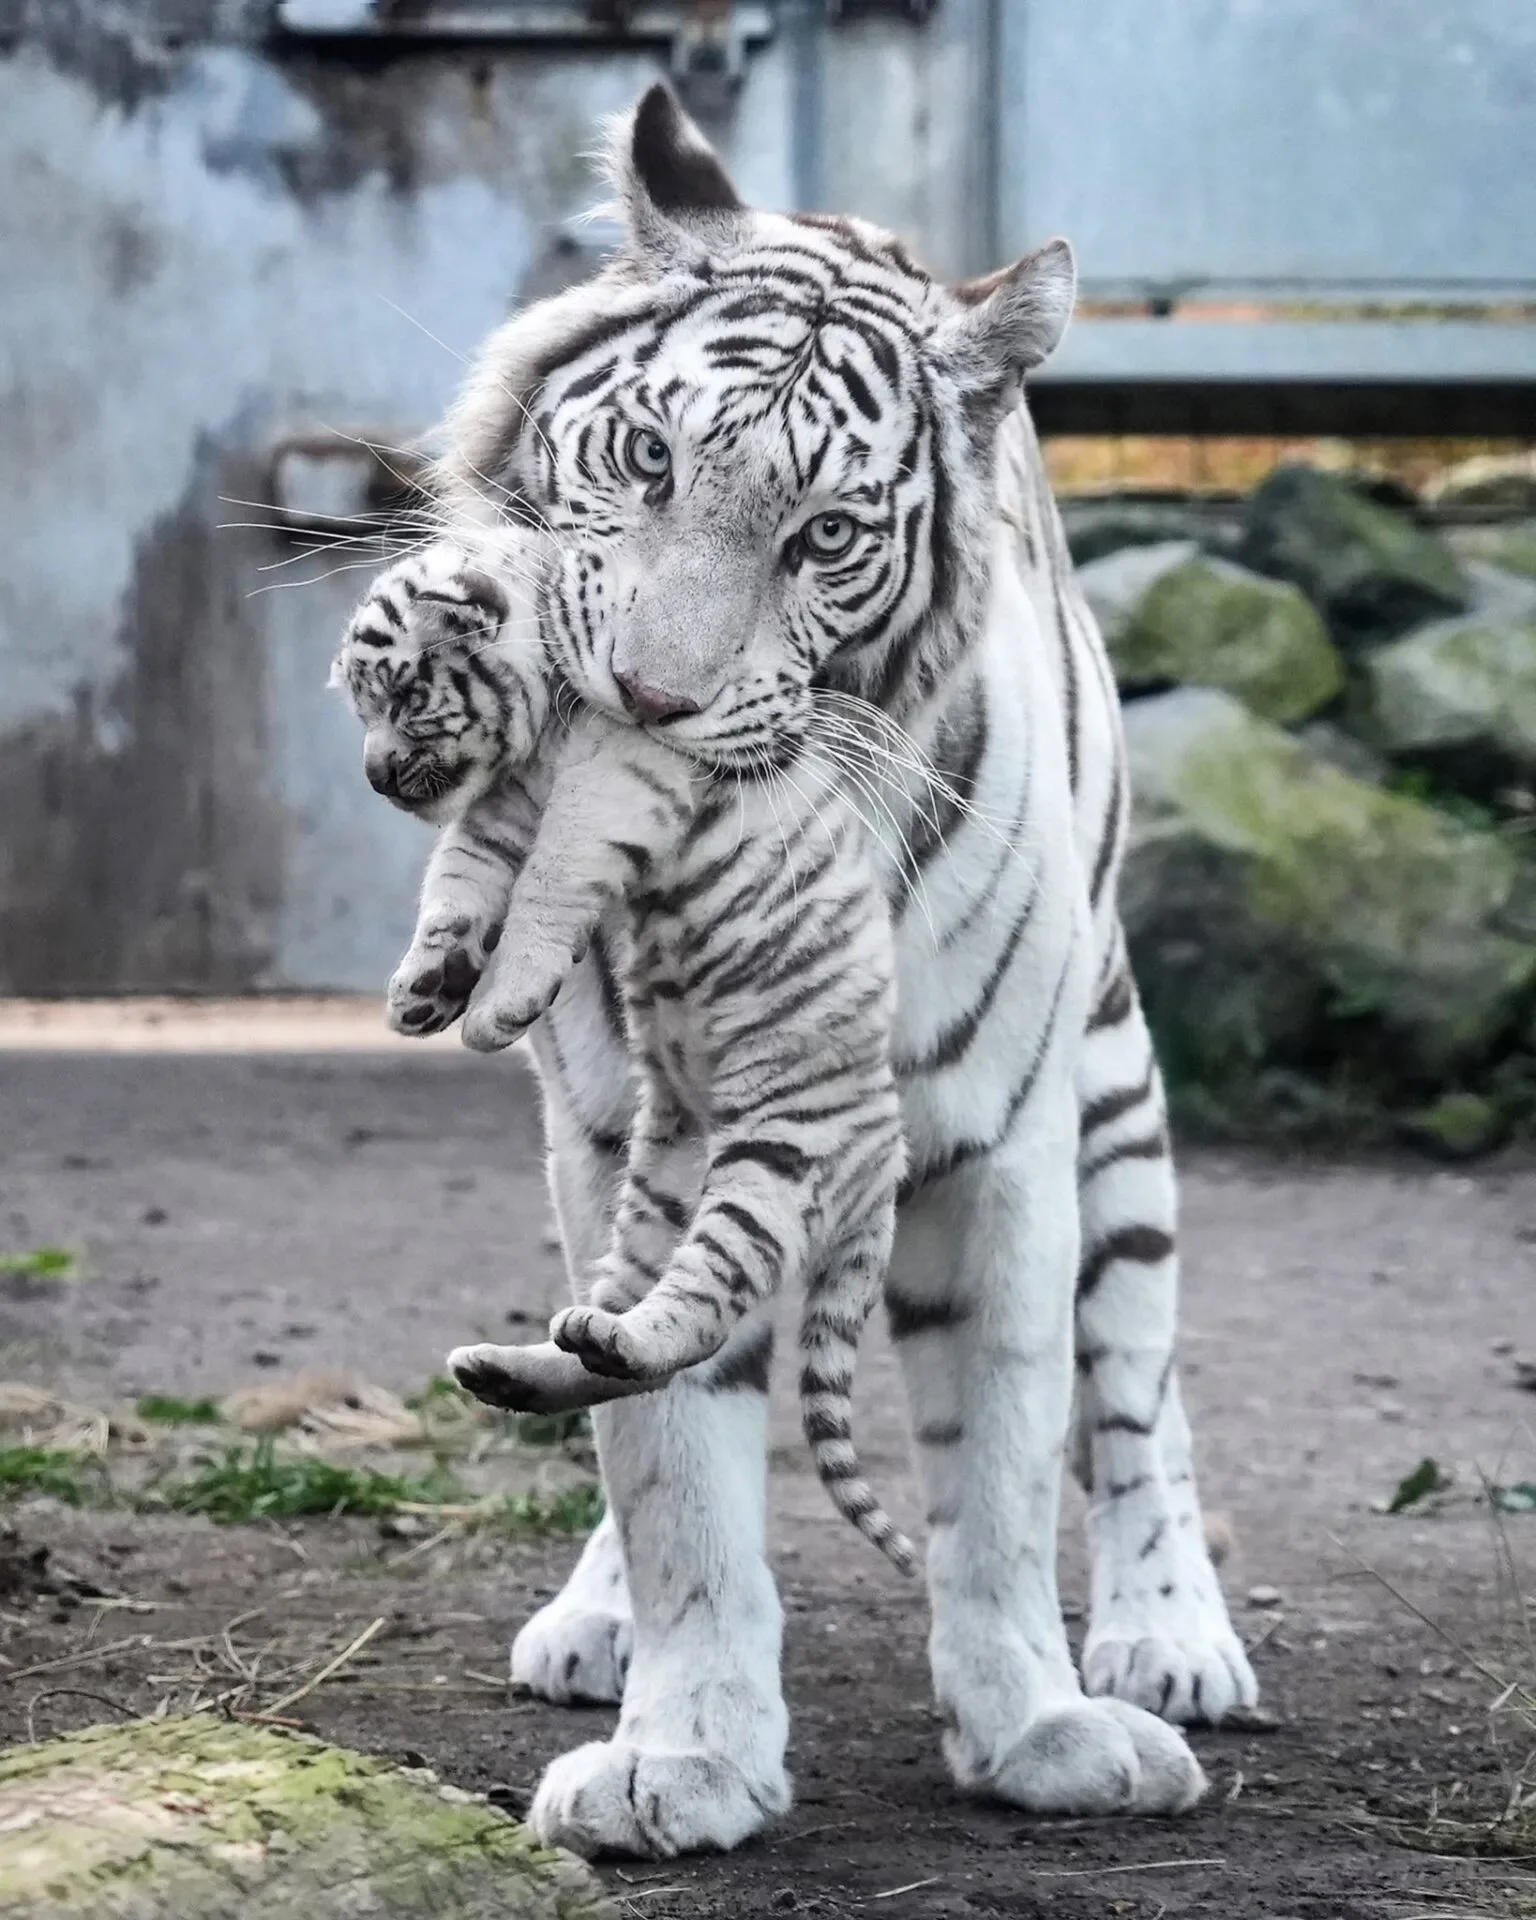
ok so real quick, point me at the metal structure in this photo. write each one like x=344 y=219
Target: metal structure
x=245 y=239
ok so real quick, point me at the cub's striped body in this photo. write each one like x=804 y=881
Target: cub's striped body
x=757 y=970
x=846 y=526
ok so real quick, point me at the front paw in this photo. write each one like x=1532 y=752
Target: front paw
x=431 y=987
x=523 y=985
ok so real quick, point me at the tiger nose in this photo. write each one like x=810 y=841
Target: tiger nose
x=650 y=703
x=382 y=770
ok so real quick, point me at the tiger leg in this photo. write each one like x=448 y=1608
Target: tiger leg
x=697 y=1759
x=1159 y=1633
x=577 y=1647
x=980 y=1303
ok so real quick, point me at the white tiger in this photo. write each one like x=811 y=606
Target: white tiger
x=758 y=988
x=789 y=368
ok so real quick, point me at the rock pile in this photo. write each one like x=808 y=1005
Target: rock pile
x=1330 y=699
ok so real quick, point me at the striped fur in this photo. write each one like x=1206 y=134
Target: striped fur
x=796 y=374
x=758 y=989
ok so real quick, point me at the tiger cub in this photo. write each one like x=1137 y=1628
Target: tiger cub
x=758 y=995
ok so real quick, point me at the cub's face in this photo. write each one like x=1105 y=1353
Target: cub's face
x=432 y=669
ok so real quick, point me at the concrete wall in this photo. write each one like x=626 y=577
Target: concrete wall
x=212 y=244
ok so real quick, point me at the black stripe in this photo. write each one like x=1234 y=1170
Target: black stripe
x=747 y=1362
x=1141 y=1244
x=1114 y=1003
x=1144 y=1146
x=778 y=1156
x=909 y=1317
x=1110 y=1106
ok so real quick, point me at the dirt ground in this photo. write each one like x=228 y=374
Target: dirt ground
x=242 y=1214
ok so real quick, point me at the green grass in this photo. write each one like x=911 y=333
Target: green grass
x=171 y=1410
x=255 y=1484
x=575 y=1510
x=448 y=1400
x=1427 y=1478
x=42 y=1263
x=551 y=1429
x=78 y=1479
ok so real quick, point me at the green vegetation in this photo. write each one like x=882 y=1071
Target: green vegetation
x=574 y=1510
x=78 y=1479
x=255 y=1483
x=42 y=1263
x=171 y=1410
x=1416 y=1487
x=551 y=1429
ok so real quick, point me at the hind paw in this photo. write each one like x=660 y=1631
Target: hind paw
x=604 y=1343
x=1098 y=1756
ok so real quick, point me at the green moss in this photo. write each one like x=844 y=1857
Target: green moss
x=1456 y=685
x=1208 y=624
x=171 y=1819
x=1394 y=901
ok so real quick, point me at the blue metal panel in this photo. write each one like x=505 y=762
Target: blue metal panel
x=1293 y=146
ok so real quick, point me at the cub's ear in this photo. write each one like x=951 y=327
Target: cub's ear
x=676 y=197
x=1012 y=321
x=335 y=678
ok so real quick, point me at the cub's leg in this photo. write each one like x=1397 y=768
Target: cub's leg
x=980 y=1301
x=662 y=1303
x=1159 y=1633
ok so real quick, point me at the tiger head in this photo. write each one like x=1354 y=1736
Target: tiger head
x=756 y=453
x=444 y=670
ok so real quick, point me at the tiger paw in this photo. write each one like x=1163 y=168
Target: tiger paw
x=522 y=984
x=432 y=985
x=605 y=1344
x=536 y=1379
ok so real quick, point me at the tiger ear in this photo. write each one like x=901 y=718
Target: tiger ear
x=1011 y=321
x=334 y=677
x=677 y=198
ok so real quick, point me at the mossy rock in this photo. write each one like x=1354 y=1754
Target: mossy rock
x=1207 y=623
x=1510 y=547
x=1488 y=482
x=1098 y=527
x=1371 y=570
x=1271 y=899
x=205 y=1819
x=1462 y=686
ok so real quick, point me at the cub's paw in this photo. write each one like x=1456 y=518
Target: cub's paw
x=605 y=1344
x=522 y=985
x=432 y=985
x=533 y=1379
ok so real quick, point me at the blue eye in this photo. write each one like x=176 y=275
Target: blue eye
x=648 y=455
x=828 y=536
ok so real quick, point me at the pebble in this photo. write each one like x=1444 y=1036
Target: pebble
x=1265 y=1597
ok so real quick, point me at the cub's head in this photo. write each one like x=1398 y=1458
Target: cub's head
x=446 y=678
x=756 y=453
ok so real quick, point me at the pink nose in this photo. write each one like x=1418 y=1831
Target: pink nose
x=650 y=703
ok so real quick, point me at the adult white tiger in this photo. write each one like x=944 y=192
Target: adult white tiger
x=782 y=466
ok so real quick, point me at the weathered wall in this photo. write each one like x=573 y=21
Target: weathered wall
x=213 y=242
